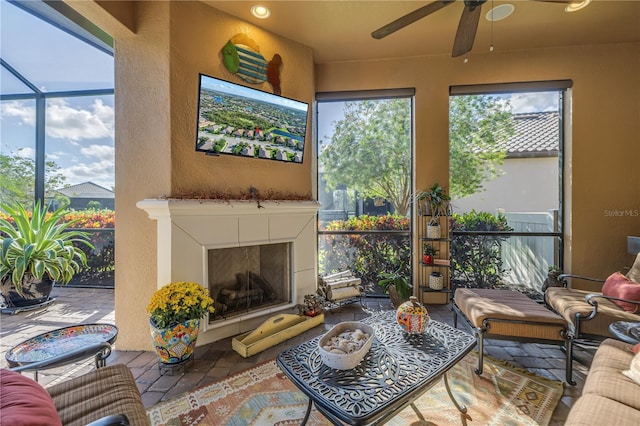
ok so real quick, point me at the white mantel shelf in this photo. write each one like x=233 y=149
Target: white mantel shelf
x=157 y=208
x=188 y=228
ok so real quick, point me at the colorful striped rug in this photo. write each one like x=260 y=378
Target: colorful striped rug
x=263 y=396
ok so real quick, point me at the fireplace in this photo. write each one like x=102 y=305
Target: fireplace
x=249 y=278
x=274 y=246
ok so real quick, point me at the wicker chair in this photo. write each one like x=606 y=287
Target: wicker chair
x=107 y=396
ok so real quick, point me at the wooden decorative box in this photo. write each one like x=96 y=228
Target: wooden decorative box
x=275 y=330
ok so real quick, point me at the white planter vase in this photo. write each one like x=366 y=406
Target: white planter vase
x=436 y=282
x=434 y=231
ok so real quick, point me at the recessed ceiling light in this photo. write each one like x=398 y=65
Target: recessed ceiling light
x=261 y=12
x=500 y=12
x=574 y=7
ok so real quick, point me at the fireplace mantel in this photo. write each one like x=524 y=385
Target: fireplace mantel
x=187 y=229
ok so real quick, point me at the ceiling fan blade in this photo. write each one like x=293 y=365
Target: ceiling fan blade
x=410 y=18
x=467 y=28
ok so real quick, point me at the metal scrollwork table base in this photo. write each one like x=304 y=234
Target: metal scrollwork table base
x=394 y=373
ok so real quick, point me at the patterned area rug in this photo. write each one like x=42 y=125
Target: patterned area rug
x=262 y=395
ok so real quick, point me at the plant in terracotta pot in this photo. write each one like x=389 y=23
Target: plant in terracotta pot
x=397 y=285
x=175 y=311
x=37 y=249
x=428 y=253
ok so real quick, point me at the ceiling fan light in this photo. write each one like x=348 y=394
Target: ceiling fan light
x=500 y=12
x=261 y=12
x=574 y=7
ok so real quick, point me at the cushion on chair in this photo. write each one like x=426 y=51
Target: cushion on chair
x=605 y=374
x=103 y=392
x=634 y=272
x=23 y=402
x=617 y=285
x=590 y=410
x=514 y=307
x=568 y=302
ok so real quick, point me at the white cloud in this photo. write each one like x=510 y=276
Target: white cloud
x=101 y=172
x=67 y=122
x=55 y=155
x=103 y=152
x=534 y=102
x=25 y=113
x=27 y=153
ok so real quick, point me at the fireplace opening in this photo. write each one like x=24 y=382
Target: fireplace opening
x=248 y=279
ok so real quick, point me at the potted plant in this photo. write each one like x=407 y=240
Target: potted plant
x=552 y=278
x=428 y=252
x=37 y=249
x=175 y=312
x=397 y=285
x=433 y=201
x=438 y=202
x=312 y=305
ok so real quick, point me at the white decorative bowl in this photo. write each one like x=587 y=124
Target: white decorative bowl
x=345 y=361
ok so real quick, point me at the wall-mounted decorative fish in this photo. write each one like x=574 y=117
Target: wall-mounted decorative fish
x=241 y=56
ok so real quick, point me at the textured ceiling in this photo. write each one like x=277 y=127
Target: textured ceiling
x=341 y=30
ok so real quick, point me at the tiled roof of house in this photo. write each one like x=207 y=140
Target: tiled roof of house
x=86 y=190
x=536 y=134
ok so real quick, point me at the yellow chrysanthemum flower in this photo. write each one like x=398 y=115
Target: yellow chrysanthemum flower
x=178 y=302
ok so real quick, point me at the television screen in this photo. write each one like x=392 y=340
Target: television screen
x=237 y=120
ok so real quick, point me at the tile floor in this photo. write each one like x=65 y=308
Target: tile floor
x=214 y=361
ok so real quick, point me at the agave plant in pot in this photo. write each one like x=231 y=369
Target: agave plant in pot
x=37 y=249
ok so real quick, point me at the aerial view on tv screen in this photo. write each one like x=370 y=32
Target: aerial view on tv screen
x=237 y=120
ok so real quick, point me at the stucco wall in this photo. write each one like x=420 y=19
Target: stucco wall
x=156 y=73
x=525 y=185
x=156 y=96
x=604 y=138
x=198 y=33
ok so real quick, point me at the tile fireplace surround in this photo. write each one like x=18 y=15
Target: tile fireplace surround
x=187 y=229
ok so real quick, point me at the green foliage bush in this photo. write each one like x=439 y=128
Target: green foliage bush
x=368 y=256
x=476 y=260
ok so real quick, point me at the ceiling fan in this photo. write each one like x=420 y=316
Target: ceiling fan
x=467 y=27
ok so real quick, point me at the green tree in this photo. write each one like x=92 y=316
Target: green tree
x=17 y=180
x=479 y=127
x=370 y=151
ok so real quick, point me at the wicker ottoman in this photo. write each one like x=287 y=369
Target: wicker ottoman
x=510 y=315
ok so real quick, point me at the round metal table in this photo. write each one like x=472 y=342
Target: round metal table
x=627 y=331
x=64 y=346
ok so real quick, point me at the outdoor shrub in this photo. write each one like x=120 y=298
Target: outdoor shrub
x=366 y=255
x=101 y=260
x=476 y=260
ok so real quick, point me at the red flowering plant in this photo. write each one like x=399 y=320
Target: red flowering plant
x=366 y=254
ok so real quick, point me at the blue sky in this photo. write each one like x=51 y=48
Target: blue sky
x=79 y=131
x=247 y=92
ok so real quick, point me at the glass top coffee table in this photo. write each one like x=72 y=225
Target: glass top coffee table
x=394 y=373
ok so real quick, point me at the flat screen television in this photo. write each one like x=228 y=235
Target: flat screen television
x=237 y=120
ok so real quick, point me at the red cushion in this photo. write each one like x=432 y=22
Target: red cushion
x=617 y=285
x=23 y=402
